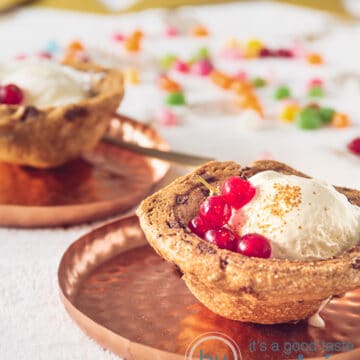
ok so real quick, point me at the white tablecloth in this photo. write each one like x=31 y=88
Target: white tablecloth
x=33 y=322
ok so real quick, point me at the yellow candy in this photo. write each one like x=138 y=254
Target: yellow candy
x=289 y=112
x=131 y=76
x=253 y=47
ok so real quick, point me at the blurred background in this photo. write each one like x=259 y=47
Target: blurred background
x=346 y=8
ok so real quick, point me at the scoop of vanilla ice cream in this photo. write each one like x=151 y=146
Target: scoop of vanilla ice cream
x=303 y=219
x=46 y=83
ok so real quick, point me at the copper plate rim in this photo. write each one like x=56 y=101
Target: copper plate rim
x=119 y=344
x=103 y=336
x=22 y=216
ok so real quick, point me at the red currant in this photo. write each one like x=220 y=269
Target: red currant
x=284 y=53
x=265 y=52
x=11 y=95
x=254 y=245
x=222 y=237
x=198 y=226
x=237 y=192
x=215 y=211
x=354 y=146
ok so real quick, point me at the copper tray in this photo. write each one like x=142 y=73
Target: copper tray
x=122 y=294
x=106 y=182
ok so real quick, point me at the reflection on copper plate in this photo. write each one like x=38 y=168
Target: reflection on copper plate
x=105 y=182
x=121 y=293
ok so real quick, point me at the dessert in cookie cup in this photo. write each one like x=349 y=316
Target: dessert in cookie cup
x=51 y=113
x=288 y=243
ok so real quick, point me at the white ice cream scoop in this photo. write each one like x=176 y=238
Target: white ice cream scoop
x=304 y=219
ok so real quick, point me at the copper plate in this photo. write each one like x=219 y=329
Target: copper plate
x=107 y=181
x=121 y=293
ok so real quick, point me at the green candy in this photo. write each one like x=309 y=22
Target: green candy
x=167 y=61
x=282 y=92
x=326 y=114
x=201 y=54
x=175 y=98
x=316 y=91
x=309 y=119
x=259 y=82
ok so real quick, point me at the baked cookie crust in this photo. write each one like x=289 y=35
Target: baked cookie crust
x=237 y=287
x=49 y=137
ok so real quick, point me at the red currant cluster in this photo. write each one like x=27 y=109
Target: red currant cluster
x=11 y=95
x=212 y=222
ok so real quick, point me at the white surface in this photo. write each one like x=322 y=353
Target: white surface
x=33 y=323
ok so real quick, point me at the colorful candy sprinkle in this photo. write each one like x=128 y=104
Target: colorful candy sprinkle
x=315 y=82
x=259 y=82
x=52 y=47
x=75 y=46
x=171 y=31
x=202 y=68
x=326 y=114
x=167 y=84
x=253 y=48
x=289 y=112
x=340 y=120
x=166 y=117
x=175 y=98
x=132 y=45
x=314 y=59
x=118 y=37
x=316 y=91
x=220 y=79
x=199 y=31
x=282 y=92
x=308 y=119
x=354 y=146
x=167 y=61
x=181 y=66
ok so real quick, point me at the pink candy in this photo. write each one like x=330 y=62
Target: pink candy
x=181 y=66
x=298 y=50
x=202 y=68
x=44 y=55
x=231 y=54
x=171 y=31
x=315 y=82
x=20 y=57
x=166 y=117
x=241 y=75
x=118 y=37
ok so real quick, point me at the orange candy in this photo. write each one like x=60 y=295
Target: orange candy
x=137 y=35
x=314 y=59
x=199 y=30
x=240 y=86
x=340 y=120
x=221 y=79
x=251 y=102
x=165 y=83
x=75 y=46
x=132 y=45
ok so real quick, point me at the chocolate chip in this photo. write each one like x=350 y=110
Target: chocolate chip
x=29 y=111
x=223 y=263
x=355 y=263
x=75 y=112
x=172 y=224
x=205 y=248
x=209 y=178
x=205 y=192
x=181 y=199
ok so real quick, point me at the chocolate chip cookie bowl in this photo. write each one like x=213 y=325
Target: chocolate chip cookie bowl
x=270 y=259
x=52 y=113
